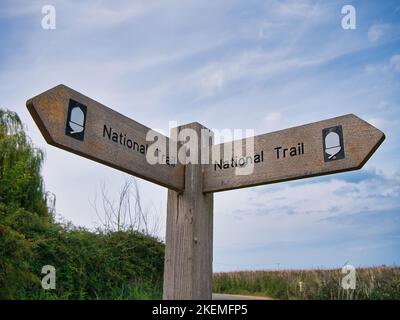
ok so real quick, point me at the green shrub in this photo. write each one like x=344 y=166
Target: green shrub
x=89 y=265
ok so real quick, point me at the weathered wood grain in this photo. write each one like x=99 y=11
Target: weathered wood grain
x=360 y=141
x=189 y=237
x=49 y=110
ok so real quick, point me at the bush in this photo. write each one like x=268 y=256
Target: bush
x=89 y=265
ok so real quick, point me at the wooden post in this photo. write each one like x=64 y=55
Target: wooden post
x=189 y=236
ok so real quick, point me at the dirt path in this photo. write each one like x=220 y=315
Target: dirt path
x=221 y=296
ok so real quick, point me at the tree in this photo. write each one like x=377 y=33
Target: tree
x=20 y=163
x=23 y=209
x=127 y=212
x=102 y=265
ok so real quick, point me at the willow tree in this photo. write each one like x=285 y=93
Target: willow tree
x=21 y=184
x=23 y=209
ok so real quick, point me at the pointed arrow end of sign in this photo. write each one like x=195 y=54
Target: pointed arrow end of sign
x=38 y=108
x=30 y=102
x=31 y=105
x=373 y=136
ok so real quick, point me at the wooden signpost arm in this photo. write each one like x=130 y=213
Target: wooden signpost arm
x=189 y=237
x=298 y=153
x=105 y=135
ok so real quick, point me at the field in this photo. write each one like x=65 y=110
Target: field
x=371 y=283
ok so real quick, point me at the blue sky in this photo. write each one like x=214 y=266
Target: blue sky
x=264 y=65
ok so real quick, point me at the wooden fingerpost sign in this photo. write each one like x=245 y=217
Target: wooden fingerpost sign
x=73 y=122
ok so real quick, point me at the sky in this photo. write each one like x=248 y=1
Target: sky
x=262 y=65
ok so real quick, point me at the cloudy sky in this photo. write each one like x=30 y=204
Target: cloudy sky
x=264 y=65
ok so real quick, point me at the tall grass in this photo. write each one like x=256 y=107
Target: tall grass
x=143 y=290
x=371 y=283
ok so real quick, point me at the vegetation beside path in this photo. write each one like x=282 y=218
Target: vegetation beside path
x=371 y=283
x=103 y=264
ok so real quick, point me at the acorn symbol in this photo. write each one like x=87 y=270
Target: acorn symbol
x=77 y=120
x=332 y=145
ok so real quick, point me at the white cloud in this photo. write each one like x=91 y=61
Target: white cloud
x=91 y=16
x=268 y=28
x=20 y=9
x=387 y=67
x=382 y=123
x=298 y=9
x=213 y=77
x=376 y=31
x=395 y=62
x=273 y=121
x=302 y=211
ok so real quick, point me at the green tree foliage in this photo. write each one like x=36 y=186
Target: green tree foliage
x=22 y=204
x=20 y=164
x=89 y=265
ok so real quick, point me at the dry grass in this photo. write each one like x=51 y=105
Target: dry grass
x=371 y=283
